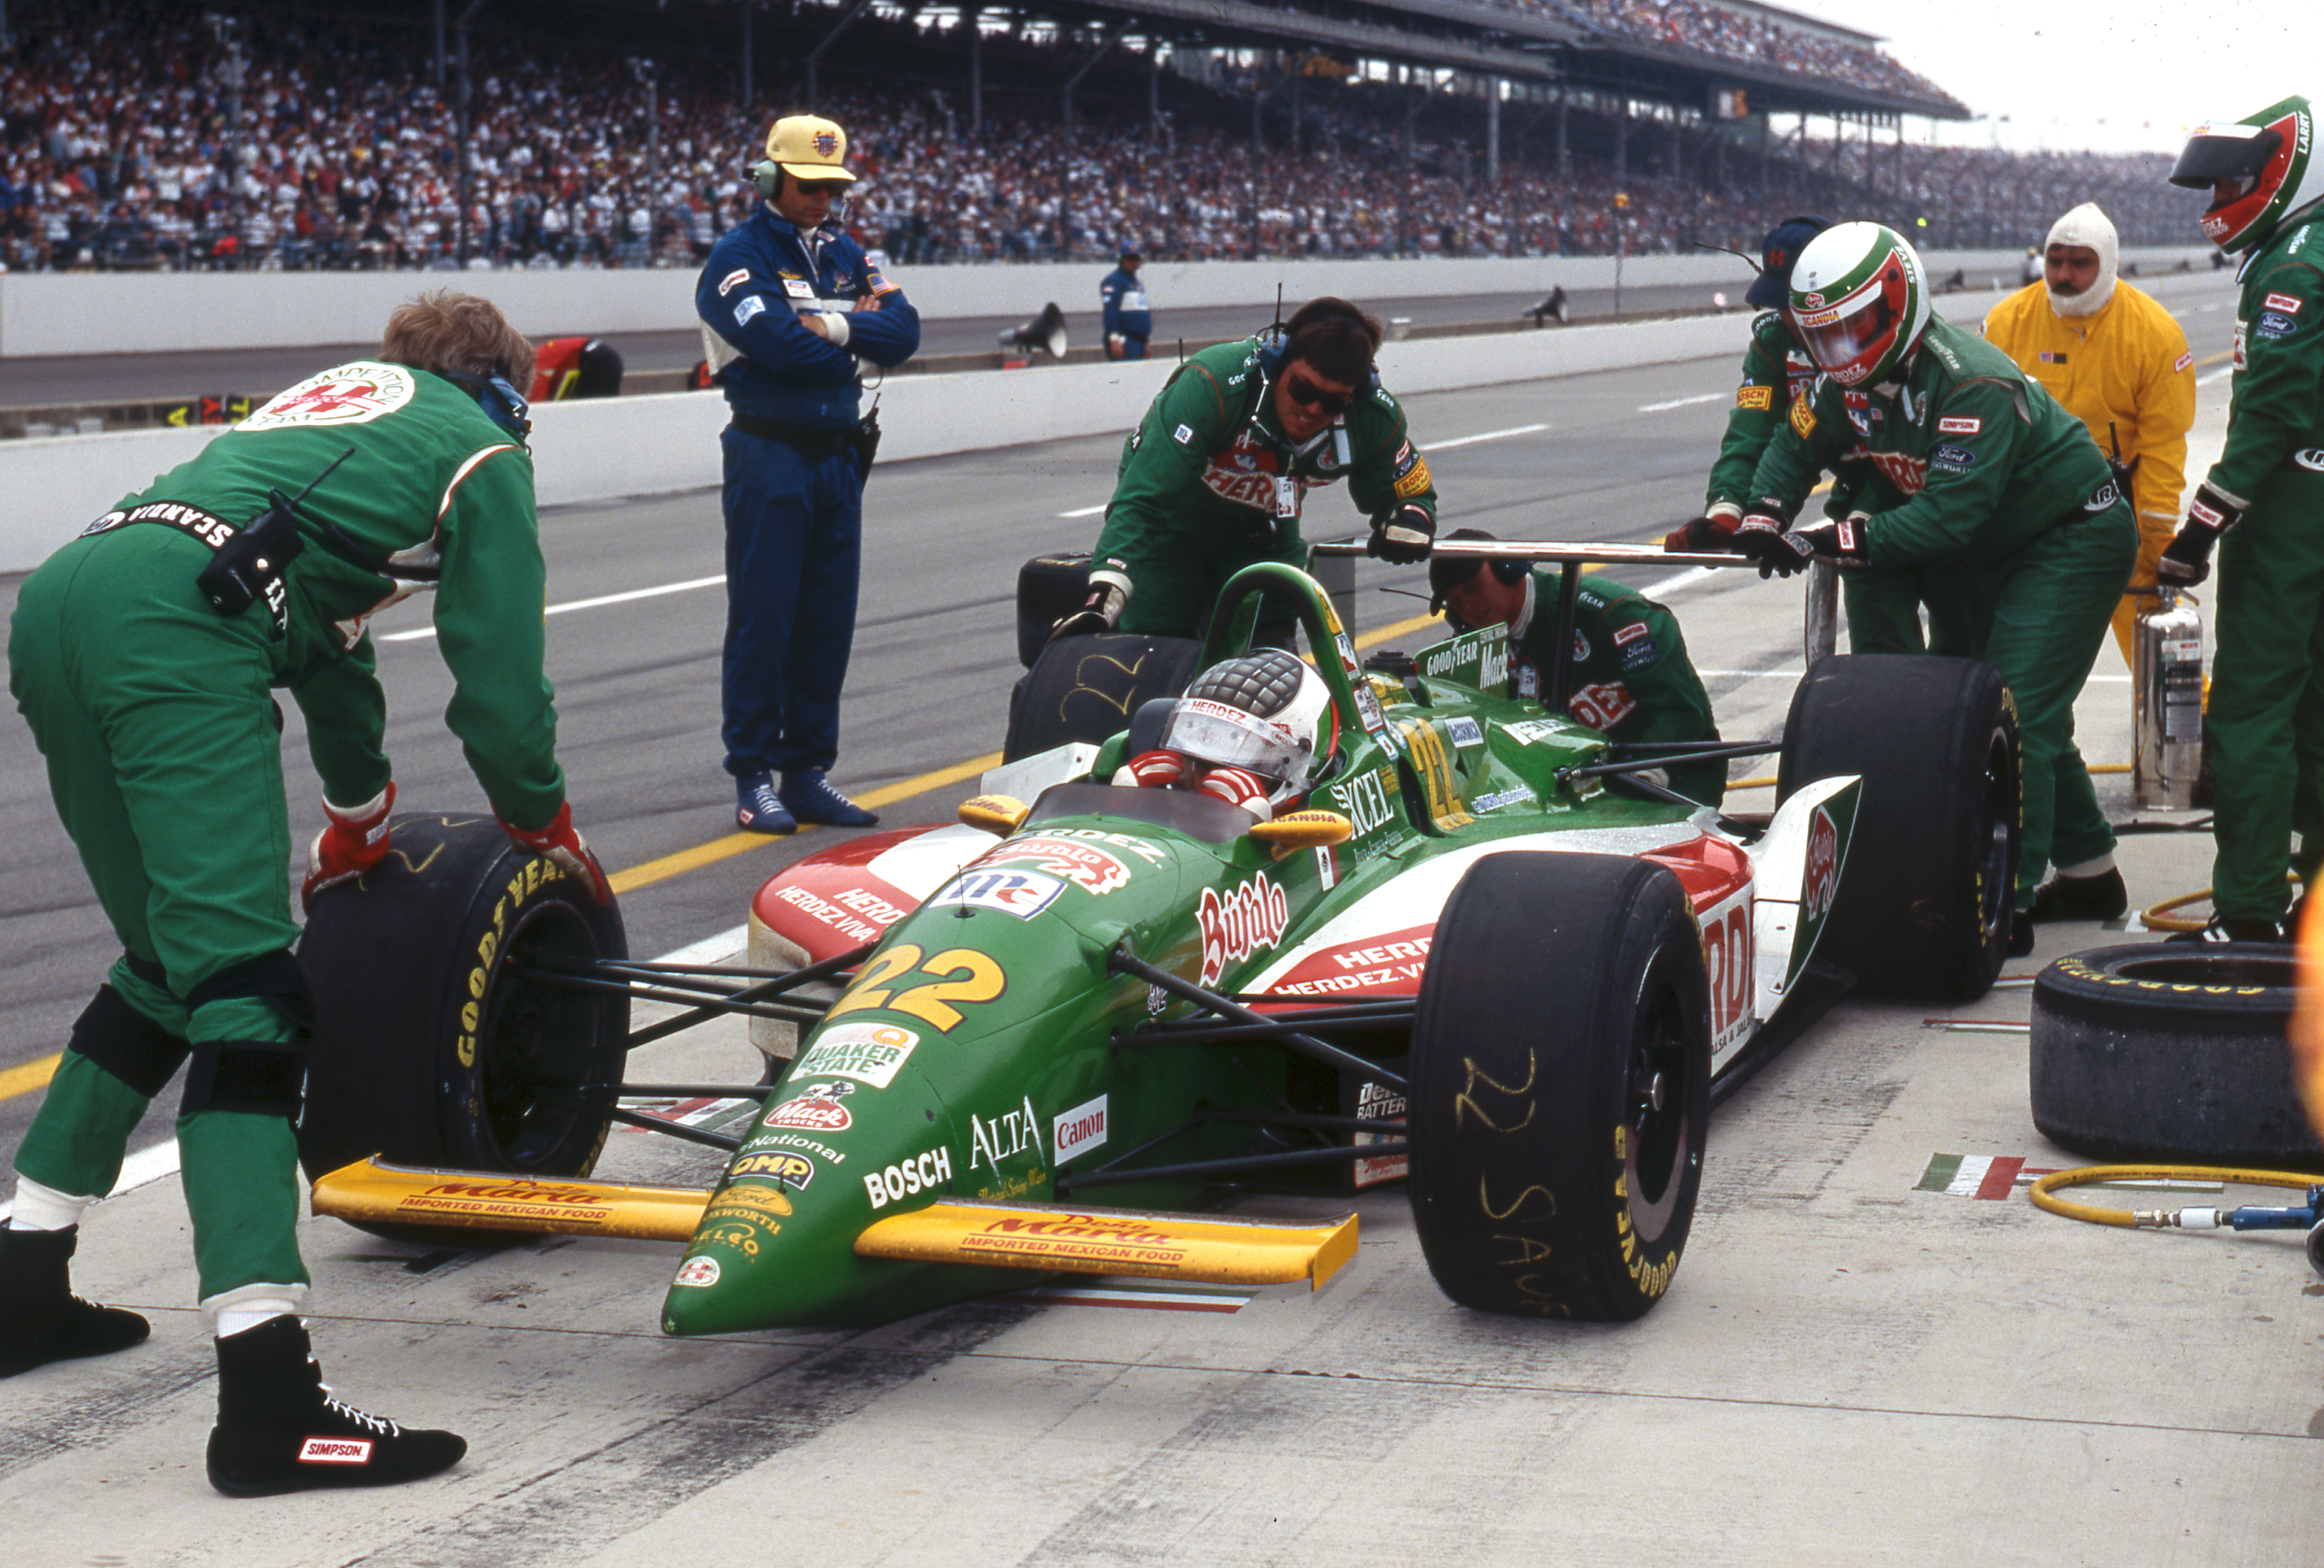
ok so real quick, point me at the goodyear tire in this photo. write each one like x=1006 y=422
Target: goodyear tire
x=1049 y=588
x=1085 y=689
x=2171 y=1051
x=1925 y=894
x=1561 y=1086
x=428 y=1050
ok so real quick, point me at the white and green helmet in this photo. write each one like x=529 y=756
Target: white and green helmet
x=1860 y=301
x=2271 y=157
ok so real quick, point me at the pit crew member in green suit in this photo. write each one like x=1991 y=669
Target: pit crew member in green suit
x=2267 y=495
x=1631 y=677
x=1883 y=608
x=2000 y=480
x=143 y=654
x=1217 y=473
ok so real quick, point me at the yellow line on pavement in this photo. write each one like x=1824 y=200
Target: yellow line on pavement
x=28 y=1076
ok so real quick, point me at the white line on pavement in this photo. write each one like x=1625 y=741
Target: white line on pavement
x=1486 y=435
x=147 y=1165
x=687 y=586
x=1680 y=403
x=2207 y=380
x=1083 y=510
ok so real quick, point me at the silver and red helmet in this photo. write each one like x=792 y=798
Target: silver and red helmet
x=1265 y=711
x=2270 y=156
x=1860 y=301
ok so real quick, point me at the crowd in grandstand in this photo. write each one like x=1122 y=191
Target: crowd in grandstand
x=139 y=135
x=1702 y=28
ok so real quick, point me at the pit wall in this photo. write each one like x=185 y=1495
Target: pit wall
x=52 y=486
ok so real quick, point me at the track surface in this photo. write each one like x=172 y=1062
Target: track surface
x=1849 y=1370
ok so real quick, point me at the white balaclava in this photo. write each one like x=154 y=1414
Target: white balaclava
x=2087 y=226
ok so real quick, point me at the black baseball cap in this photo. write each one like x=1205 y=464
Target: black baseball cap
x=1778 y=251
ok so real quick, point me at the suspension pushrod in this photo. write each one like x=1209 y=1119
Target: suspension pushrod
x=824 y=970
x=735 y=1002
x=1305 y=1044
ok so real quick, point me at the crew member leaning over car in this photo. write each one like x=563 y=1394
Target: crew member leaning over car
x=1999 y=479
x=1884 y=607
x=142 y=653
x=1631 y=677
x=1216 y=473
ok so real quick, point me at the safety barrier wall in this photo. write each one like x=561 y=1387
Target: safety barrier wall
x=642 y=446
x=46 y=314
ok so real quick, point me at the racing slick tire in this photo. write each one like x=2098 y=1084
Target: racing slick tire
x=1926 y=889
x=1085 y=689
x=2171 y=1051
x=1561 y=1086
x=1049 y=589
x=429 y=1050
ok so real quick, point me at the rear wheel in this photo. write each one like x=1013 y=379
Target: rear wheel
x=1085 y=689
x=1561 y=1086
x=429 y=1049
x=1926 y=891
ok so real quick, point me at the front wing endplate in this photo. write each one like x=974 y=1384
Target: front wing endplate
x=1074 y=1241
x=373 y=1192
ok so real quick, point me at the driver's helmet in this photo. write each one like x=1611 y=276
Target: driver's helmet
x=1265 y=711
x=1859 y=302
x=2271 y=157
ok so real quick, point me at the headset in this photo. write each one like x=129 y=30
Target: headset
x=767 y=177
x=1275 y=341
x=502 y=402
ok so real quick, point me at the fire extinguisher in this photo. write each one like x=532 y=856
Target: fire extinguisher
x=2167 y=725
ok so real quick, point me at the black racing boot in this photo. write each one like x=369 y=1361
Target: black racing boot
x=280 y=1431
x=2099 y=896
x=41 y=1319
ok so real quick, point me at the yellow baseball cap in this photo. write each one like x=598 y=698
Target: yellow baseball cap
x=808 y=147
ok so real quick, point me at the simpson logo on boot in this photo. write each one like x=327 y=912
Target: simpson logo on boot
x=335 y=1450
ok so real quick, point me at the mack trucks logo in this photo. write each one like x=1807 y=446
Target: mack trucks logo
x=1822 y=879
x=1250 y=917
x=1005 y=1137
x=348 y=394
x=1088 y=867
x=817 y=1109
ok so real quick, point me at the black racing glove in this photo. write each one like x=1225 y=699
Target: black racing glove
x=1761 y=537
x=1403 y=537
x=1109 y=595
x=2187 y=558
x=1714 y=531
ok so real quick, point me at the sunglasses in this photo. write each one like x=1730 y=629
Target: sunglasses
x=1308 y=395
x=823 y=187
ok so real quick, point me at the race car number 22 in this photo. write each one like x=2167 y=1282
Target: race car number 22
x=955 y=974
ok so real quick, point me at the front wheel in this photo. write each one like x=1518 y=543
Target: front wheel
x=1561 y=1086
x=431 y=1048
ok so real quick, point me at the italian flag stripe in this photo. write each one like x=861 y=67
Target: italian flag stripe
x=1939 y=1176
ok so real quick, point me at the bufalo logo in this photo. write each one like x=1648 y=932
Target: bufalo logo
x=1822 y=879
x=1246 y=920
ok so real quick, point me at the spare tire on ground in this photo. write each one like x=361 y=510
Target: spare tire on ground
x=2171 y=1051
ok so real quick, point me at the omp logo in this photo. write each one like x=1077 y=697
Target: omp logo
x=1250 y=917
x=335 y=1450
x=2310 y=457
x=1822 y=879
x=791 y=1170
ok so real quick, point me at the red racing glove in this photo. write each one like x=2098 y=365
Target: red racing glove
x=1158 y=769
x=354 y=842
x=562 y=847
x=1711 y=531
x=1239 y=787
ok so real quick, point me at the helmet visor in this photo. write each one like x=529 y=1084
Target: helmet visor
x=1854 y=332
x=1228 y=737
x=2217 y=153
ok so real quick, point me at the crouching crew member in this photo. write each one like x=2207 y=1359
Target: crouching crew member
x=1631 y=677
x=141 y=654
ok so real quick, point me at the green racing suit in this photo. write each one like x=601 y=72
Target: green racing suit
x=153 y=713
x=2001 y=483
x=2267 y=712
x=1208 y=484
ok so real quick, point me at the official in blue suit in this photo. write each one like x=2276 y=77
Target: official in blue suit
x=791 y=313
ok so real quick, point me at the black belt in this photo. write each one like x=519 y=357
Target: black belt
x=207 y=527
x=808 y=440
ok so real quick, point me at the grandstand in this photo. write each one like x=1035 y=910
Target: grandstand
x=610 y=133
